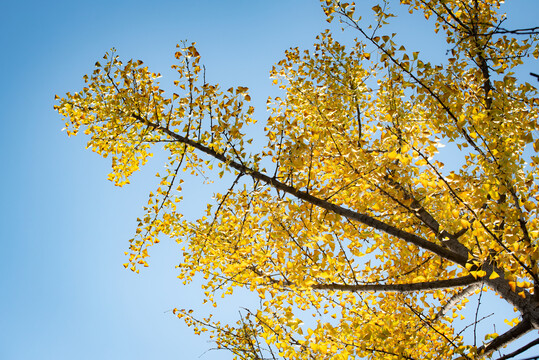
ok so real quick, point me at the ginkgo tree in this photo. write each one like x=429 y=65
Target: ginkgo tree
x=358 y=240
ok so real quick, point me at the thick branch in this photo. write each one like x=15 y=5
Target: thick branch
x=524 y=303
x=347 y=213
x=402 y=288
x=521 y=350
x=507 y=337
x=420 y=286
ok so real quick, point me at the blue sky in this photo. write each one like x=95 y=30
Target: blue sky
x=64 y=291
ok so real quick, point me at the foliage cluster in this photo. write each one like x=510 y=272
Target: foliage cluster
x=355 y=236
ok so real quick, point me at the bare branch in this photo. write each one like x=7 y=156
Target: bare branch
x=525 y=31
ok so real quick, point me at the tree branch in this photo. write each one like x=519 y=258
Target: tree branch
x=514 y=295
x=526 y=31
x=455 y=299
x=347 y=213
x=507 y=337
x=419 y=286
x=402 y=288
x=521 y=350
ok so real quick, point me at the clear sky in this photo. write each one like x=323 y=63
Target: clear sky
x=64 y=293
